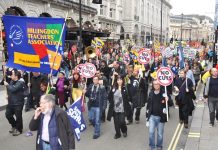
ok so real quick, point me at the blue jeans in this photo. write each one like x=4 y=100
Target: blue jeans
x=94 y=118
x=46 y=146
x=154 y=123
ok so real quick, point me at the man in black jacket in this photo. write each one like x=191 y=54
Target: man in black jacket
x=35 y=81
x=156 y=116
x=211 y=93
x=15 y=103
x=53 y=126
x=97 y=103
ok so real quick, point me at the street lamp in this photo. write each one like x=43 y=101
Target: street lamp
x=190 y=38
x=151 y=35
x=181 y=26
x=80 y=26
x=161 y=21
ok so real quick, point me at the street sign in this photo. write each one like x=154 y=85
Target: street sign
x=164 y=76
x=89 y=70
x=144 y=57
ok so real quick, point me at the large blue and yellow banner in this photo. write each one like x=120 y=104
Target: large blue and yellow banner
x=32 y=43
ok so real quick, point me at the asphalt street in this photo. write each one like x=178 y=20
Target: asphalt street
x=175 y=135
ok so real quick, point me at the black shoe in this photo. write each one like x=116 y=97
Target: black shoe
x=211 y=125
x=96 y=136
x=129 y=122
x=16 y=132
x=12 y=130
x=125 y=134
x=186 y=125
x=117 y=136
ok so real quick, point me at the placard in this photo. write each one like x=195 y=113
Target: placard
x=88 y=70
x=164 y=76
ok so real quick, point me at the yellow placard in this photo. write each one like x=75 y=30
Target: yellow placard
x=51 y=56
x=76 y=93
x=27 y=60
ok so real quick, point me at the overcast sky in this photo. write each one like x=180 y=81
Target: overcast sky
x=202 y=7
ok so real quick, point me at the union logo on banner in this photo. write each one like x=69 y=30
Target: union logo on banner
x=34 y=44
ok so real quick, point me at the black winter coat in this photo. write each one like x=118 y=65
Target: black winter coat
x=126 y=105
x=101 y=96
x=15 y=93
x=65 y=132
x=138 y=92
x=35 y=84
x=162 y=103
x=184 y=97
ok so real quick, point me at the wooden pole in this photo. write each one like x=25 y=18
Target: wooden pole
x=56 y=53
x=166 y=103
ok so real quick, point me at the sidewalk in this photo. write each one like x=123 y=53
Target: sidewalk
x=201 y=136
x=3 y=99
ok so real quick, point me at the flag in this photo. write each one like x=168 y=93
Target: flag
x=164 y=62
x=93 y=44
x=76 y=118
x=97 y=1
x=99 y=43
x=32 y=43
x=181 y=57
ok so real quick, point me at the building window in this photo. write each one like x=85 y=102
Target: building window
x=101 y=10
x=88 y=2
x=111 y=12
x=148 y=17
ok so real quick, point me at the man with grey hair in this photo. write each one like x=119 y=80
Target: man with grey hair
x=211 y=93
x=53 y=126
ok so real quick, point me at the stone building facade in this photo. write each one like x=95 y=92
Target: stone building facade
x=113 y=19
x=142 y=18
x=193 y=27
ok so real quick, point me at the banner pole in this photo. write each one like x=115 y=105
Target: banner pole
x=166 y=103
x=28 y=81
x=59 y=43
x=1 y=37
x=83 y=98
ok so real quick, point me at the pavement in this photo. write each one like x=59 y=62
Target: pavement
x=201 y=136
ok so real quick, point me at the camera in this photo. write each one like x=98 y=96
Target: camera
x=92 y=99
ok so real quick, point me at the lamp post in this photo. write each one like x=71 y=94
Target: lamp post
x=214 y=48
x=190 y=38
x=181 y=26
x=161 y=21
x=151 y=40
x=80 y=26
